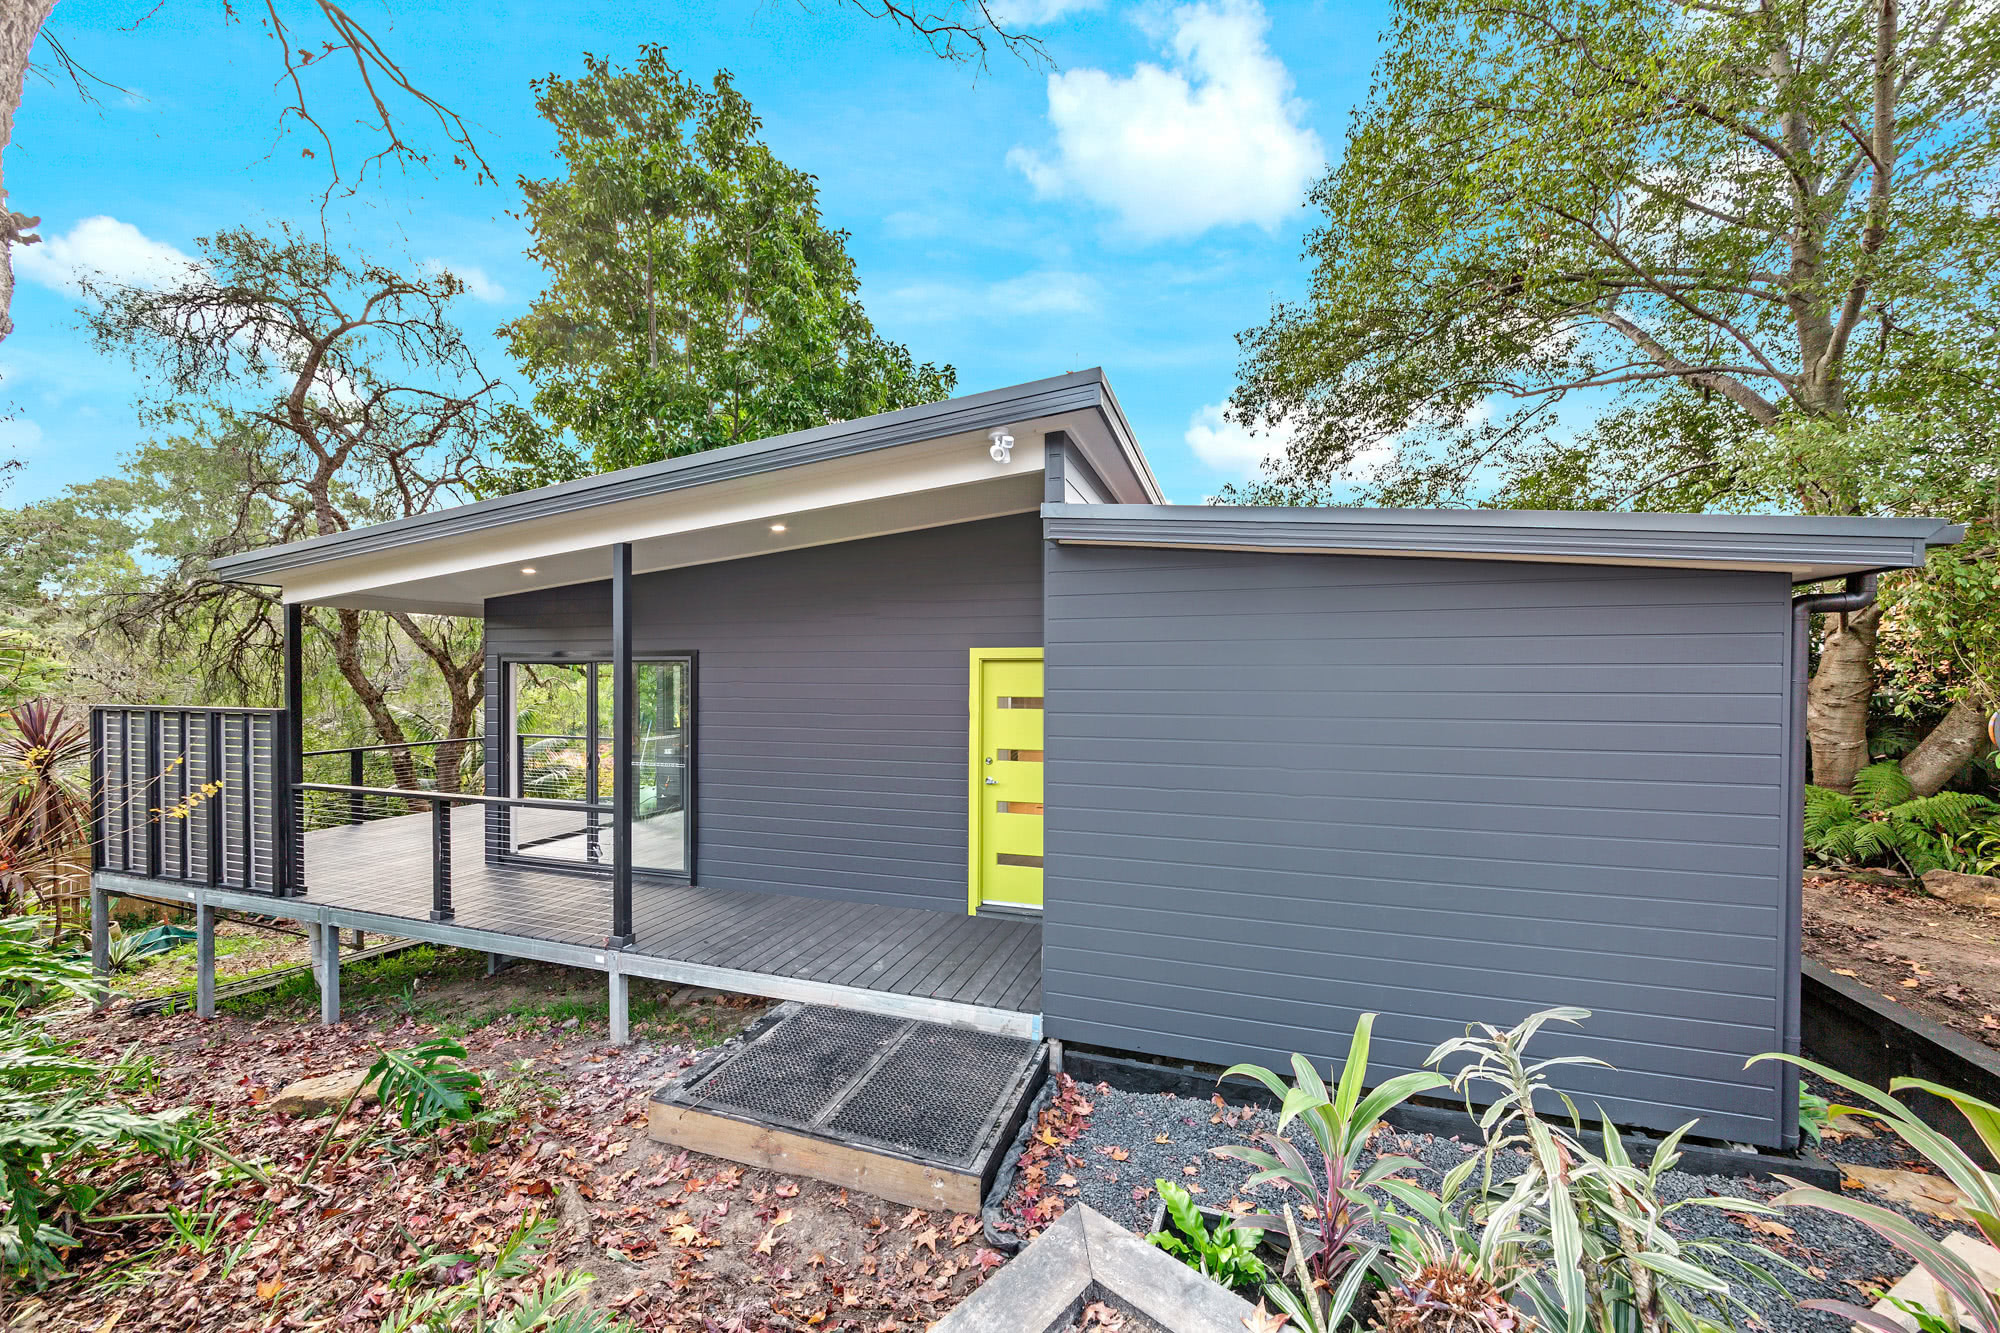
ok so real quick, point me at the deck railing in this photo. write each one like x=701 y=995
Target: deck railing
x=195 y=794
x=456 y=764
x=440 y=803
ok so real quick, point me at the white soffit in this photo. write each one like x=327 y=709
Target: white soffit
x=951 y=479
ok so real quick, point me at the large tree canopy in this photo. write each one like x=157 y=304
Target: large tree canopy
x=695 y=297
x=1660 y=255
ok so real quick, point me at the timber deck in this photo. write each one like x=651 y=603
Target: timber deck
x=938 y=966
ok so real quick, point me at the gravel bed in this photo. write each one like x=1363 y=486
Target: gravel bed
x=1839 y=1258
x=1884 y=1150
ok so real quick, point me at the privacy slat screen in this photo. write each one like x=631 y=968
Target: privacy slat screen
x=194 y=794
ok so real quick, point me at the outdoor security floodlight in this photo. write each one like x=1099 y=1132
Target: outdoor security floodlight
x=1003 y=446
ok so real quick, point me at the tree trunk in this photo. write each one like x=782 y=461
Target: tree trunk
x=1837 y=698
x=1940 y=755
x=20 y=24
x=347 y=656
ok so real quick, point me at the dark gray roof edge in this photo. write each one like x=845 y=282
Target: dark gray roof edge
x=1079 y=390
x=1786 y=540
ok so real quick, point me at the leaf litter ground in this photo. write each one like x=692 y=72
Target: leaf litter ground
x=676 y=1241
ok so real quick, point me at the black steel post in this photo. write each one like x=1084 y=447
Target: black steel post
x=440 y=860
x=622 y=803
x=291 y=868
x=356 y=803
x=97 y=789
x=593 y=850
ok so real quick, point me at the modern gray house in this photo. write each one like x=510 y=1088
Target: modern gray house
x=945 y=713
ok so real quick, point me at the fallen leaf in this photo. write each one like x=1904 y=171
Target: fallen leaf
x=268 y=1289
x=927 y=1238
x=1261 y=1320
x=1909 y=983
x=1161 y=1138
x=1066 y=1181
x=1844 y=972
x=1190 y=1170
x=768 y=1241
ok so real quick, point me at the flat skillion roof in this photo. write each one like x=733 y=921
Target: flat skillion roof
x=1806 y=548
x=929 y=466
x=917 y=467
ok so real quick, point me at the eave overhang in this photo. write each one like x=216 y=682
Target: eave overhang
x=1806 y=548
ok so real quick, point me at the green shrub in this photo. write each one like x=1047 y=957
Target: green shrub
x=486 y=1301
x=1228 y=1254
x=66 y=1143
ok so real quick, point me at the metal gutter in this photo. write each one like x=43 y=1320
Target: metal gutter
x=1080 y=391
x=1746 y=540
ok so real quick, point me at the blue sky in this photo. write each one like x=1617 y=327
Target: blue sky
x=1136 y=208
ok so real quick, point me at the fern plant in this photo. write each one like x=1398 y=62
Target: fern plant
x=1884 y=822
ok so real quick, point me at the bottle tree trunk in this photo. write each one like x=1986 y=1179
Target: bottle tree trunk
x=1940 y=755
x=1837 y=698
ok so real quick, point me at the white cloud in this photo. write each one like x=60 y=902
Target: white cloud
x=1050 y=292
x=1215 y=140
x=103 y=248
x=1034 y=13
x=1228 y=446
x=478 y=285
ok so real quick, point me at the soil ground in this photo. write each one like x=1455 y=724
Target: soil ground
x=1940 y=960
x=675 y=1241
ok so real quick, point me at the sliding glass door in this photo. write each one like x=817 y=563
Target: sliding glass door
x=659 y=764
x=561 y=748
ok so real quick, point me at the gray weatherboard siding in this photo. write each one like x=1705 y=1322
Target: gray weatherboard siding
x=1285 y=789
x=830 y=698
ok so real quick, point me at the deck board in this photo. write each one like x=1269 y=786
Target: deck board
x=384 y=867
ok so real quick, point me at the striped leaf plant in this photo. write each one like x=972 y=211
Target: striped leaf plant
x=1969 y=1303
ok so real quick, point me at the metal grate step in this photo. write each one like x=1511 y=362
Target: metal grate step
x=827 y=1089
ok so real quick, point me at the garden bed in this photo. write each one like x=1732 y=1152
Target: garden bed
x=1113 y=1145
x=1941 y=960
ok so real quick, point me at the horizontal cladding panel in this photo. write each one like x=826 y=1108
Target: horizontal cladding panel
x=1284 y=790
x=1757 y=770
x=1616 y=650
x=1725 y=933
x=1277 y=624
x=830 y=692
x=1223 y=594
x=1672 y=892
x=1388 y=698
x=1338 y=675
x=1630 y=1096
x=1392 y=825
x=1456 y=853
x=1499 y=791
x=1712 y=1049
x=1413 y=963
x=1219 y=736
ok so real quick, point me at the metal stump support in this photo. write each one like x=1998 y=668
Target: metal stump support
x=100 y=941
x=204 y=960
x=329 y=975
x=621 y=1017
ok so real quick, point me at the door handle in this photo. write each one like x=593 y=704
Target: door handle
x=992 y=782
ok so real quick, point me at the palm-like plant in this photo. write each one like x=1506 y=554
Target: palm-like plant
x=44 y=805
x=1330 y=1270
x=1586 y=1231
x=1976 y=1307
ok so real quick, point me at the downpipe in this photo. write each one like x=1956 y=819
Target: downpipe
x=1859 y=592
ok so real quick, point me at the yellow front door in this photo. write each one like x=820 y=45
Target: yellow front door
x=1006 y=832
